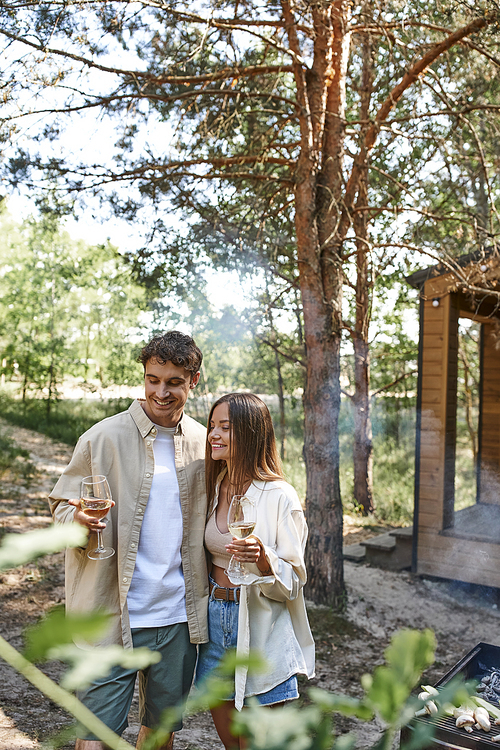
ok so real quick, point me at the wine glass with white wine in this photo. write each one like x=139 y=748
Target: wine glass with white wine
x=241 y=519
x=95 y=501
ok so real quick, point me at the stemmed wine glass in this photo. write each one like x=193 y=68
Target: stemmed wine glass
x=241 y=519
x=95 y=501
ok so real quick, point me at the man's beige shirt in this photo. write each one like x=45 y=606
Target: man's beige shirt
x=121 y=447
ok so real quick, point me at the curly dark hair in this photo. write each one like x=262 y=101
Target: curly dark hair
x=175 y=347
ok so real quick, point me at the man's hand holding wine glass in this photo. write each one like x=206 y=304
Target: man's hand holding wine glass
x=91 y=523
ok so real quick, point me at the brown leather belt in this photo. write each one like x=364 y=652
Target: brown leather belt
x=226 y=595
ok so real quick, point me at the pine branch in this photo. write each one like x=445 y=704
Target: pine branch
x=410 y=77
x=114 y=98
x=136 y=75
x=151 y=173
x=383 y=28
x=288 y=357
x=394 y=382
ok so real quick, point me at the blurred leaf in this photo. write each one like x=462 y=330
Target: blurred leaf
x=387 y=690
x=421 y=735
x=385 y=741
x=214 y=691
x=18 y=549
x=410 y=653
x=61 y=739
x=283 y=728
x=253 y=662
x=386 y=694
x=58 y=628
x=342 y=704
x=89 y=665
x=345 y=742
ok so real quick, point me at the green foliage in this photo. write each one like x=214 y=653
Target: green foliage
x=215 y=689
x=408 y=655
x=68 y=419
x=90 y=663
x=394 y=478
x=52 y=638
x=66 y=308
x=15 y=460
x=18 y=549
x=311 y=727
x=393 y=459
x=69 y=638
x=394 y=341
x=60 y=628
x=308 y=729
x=387 y=694
x=341 y=704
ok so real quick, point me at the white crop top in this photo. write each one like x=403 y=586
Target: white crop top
x=215 y=542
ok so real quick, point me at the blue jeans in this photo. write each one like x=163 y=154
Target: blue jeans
x=223 y=634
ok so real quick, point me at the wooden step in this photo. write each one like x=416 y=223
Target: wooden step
x=354 y=552
x=383 y=542
x=391 y=550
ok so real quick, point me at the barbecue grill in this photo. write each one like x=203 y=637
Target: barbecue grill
x=473 y=666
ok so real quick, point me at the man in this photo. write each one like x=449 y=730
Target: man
x=156 y=585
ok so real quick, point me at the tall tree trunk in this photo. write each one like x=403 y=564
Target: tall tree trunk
x=321 y=451
x=469 y=400
x=322 y=335
x=281 y=393
x=318 y=187
x=363 y=446
x=321 y=417
x=52 y=383
x=25 y=381
x=281 y=397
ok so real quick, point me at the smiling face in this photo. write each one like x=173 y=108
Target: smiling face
x=167 y=389
x=219 y=435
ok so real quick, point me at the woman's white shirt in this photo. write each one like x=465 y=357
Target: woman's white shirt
x=272 y=617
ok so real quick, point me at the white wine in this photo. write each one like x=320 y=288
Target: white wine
x=241 y=529
x=95 y=508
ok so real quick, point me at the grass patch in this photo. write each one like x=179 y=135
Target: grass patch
x=393 y=463
x=15 y=461
x=332 y=632
x=68 y=419
x=326 y=624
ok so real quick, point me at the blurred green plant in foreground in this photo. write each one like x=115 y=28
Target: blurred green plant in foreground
x=387 y=696
x=387 y=692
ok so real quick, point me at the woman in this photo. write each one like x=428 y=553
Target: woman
x=269 y=616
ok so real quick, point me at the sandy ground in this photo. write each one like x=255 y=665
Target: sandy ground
x=380 y=603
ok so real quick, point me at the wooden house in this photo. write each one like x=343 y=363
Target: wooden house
x=455 y=544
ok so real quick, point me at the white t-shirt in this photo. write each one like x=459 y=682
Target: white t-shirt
x=157 y=592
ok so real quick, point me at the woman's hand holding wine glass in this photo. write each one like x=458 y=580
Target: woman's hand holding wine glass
x=241 y=520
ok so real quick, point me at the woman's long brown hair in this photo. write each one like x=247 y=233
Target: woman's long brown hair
x=252 y=445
